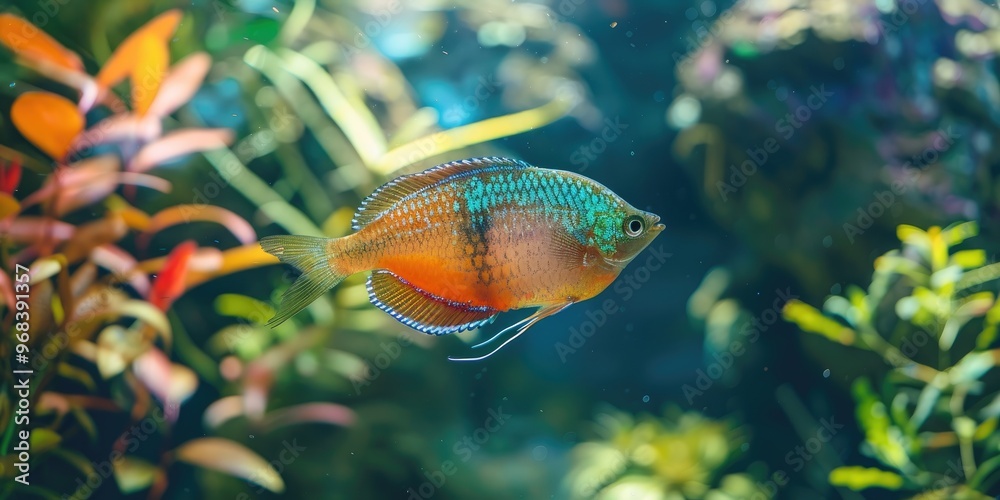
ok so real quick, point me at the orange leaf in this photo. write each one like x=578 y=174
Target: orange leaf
x=148 y=72
x=7 y=291
x=169 y=283
x=8 y=205
x=134 y=218
x=129 y=53
x=31 y=43
x=48 y=121
x=233 y=260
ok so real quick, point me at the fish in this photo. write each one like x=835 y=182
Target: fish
x=452 y=247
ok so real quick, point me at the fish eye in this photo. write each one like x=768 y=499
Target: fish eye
x=634 y=226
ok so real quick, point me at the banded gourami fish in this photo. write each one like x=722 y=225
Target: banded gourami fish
x=455 y=245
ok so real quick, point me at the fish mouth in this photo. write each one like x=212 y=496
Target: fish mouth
x=656 y=227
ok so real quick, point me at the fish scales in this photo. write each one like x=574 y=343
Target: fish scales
x=485 y=237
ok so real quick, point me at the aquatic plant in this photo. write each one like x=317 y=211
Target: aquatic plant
x=106 y=311
x=77 y=299
x=889 y=124
x=931 y=313
x=675 y=456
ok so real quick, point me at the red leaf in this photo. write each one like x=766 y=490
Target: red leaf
x=10 y=176
x=169 y=284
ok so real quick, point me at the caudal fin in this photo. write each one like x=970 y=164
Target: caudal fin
x=311 y=256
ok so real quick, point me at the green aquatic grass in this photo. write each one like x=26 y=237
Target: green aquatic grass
x=931 y=313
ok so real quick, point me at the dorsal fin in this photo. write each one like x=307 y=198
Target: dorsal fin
x=421 y=310
x=395 y=190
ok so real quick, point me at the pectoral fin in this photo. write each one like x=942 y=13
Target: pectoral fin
x=422 y=310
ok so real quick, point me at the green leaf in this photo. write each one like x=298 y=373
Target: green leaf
x=969 y=259
x=242 y=306
x=973 y=306
x=835 y=305
x=984 y=471
x=895 y=263
x=860 y=478
x=915 y=237
x=957 y=233
x=43 y=440
x=745 y=50
x=133 y=474
x=809 y=319
x=79 y=374
x=989 y=333
x=973 y=366
x=261 y=30
x=884 y=438
x=979 y=276
x=83 y=418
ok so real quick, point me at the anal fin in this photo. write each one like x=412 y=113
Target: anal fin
x=421 y=310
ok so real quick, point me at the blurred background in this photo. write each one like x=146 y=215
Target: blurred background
x=818 y=320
